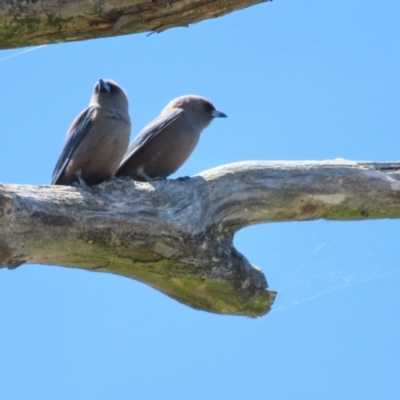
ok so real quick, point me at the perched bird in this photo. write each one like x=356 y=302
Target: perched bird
x=165 y=144
x=97 y=139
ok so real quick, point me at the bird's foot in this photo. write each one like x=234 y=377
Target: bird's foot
x=79 y=185
x=147 y=178
x=95 y=190
x=184 y=178
x=82 y=184
x=160 y=179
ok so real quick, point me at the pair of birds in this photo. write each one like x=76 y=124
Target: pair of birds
x=96 y=146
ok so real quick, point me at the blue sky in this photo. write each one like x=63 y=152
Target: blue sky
x=298 y=81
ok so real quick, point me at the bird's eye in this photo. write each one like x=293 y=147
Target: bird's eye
x=208 y=106
x=114 y=88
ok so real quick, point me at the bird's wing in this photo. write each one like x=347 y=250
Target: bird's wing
x=78 y=130
x=151 y=130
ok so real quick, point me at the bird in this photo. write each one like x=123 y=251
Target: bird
x=163 y=145
x=97 y=139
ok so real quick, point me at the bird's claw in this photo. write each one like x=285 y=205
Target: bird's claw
x=148 y=178
x=184 y=178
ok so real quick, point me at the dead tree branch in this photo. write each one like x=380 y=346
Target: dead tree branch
x=176 y=236
x=27 y=23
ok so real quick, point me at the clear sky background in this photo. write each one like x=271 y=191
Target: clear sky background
x=298 y=80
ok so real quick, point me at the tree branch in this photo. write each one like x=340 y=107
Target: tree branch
x=27 y=23
x=177 y=235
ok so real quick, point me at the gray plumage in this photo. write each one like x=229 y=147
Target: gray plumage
x=97 y=139
x=166 y=143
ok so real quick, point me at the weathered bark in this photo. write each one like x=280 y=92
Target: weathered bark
x=177 y=235
x=27 y=23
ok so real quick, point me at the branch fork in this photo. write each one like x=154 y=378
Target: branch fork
x=176 y=235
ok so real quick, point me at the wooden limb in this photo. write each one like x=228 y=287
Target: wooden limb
x=28 y=23
x=176 y=235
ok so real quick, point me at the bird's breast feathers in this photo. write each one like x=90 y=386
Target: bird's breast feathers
x=116 y=114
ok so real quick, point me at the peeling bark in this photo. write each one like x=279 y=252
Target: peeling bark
x=176 y=236
x=27 y=23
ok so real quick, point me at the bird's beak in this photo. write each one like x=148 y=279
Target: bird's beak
x=104 y=85
x=218 y=114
